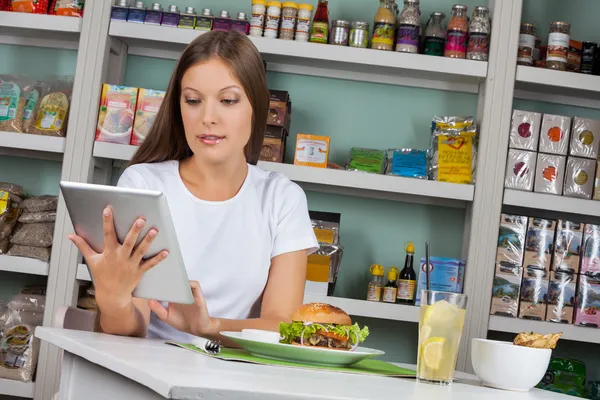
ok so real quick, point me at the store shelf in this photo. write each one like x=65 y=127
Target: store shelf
x=363 y=308
x=553 y=203
x=33 y=146
x=320 y=60
x=570 y=332
x=39 y=30
x=114 y=151
x=82 y=273
x=23 y=265
x=17 y=389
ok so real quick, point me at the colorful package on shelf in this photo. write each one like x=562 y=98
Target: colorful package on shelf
x=451 y=122
x=567 y=247
x=587 y=312
x=539 y=244
x=148 y=104
x=565 y=376
x=366 y=160
x=525 y=130
x=511 y=244
x=574 y=56
x=505 y=295
x=585 y=138
x=446 y=275
x=324 y=265
x=5 y=5
x=312 y=150
x=534 y=295
x=68 y=8
x=453 y=155
x=53 y=109
x=115 y=118
x=555 y=134
x=597 y=184
x=520 y=170
x=280 y=108
x=590 y=262
x=579 y=178
x=273 y=148
x=410 y=163
x=550 y=174
x=561 y=297
x=30 y=6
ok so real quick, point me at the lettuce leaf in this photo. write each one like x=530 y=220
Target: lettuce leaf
x=289 y=332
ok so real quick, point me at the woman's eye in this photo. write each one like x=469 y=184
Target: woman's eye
x=192 y=102
x=229 y=101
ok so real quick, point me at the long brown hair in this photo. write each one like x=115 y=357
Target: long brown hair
x=166 y=138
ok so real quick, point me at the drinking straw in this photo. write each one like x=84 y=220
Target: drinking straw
x=427 y=263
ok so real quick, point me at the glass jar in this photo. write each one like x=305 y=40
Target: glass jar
x=187 y=19
x=479 y=35
x=205 y=21
x=154 y=15
x=526 y=44
x=457 y=33
x=383 y=27
x=409 y=28
x=435 y=35
x=289 y=13
x=303 y=22
x=359 y=34
x=273 y=18
x=171 y=17
x=257 y=22
x=340 y=31
x=558 y=45
x=137 y=13
x=241 y=24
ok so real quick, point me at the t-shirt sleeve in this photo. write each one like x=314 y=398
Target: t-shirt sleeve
x=294 y=230
x=131 y=178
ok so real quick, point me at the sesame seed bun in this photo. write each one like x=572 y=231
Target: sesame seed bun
x=321 y=313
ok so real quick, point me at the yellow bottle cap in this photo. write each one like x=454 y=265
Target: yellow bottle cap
x=306 y=7
x=410 y=248
x=290 y=4
x=263 y=2
x=274 y=4
x=393 y=274
x=377 y=270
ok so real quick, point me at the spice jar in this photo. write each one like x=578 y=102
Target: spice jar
x=340 y=31
x=479 y=35
x=273 y=17
x=205 y=21
x=154 y=15
x=435 y=35
x=457 y=32
x=359 y=34
x=526 y=44
x=241 y=24
x=137 y=13
x=409 y=28
x=120 y=10
x=303 y=22
x=558 y=45
x=223 y=22
x=257 y=22
x=187 y=19
x=171 y=17
x=289 y=14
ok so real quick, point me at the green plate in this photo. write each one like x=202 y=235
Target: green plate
x=302 y=354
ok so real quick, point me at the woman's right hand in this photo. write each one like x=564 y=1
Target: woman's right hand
x=119 y=268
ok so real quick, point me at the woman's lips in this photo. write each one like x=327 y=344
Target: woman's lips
x=210 y=139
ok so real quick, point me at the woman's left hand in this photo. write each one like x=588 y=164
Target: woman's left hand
x=189 y=318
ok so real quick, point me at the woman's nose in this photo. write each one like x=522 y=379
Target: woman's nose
x=209 y=113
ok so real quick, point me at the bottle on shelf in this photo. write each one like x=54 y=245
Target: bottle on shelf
x=223 y=22
x=154 y=15
x=241 y=24
x=376 y=285
x=187 y=19
x=384 y=27
x=408 y=278
x=479 y=35
x=409 y=28
x=458 y=33
x=435 y=35
x=390 y=291
x=120 y=10
x=171 y=17
x=137 y=13
x=204 y=22
x=320 y=27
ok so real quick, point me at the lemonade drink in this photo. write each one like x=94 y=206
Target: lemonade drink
x=440 y=329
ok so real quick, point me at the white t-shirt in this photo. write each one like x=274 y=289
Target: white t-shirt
x=228 y=245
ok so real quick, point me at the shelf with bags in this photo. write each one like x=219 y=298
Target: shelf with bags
x=16 y=389
x=550 y=202
x=23 y=265
x=32 y=146
x=40 y=30
x=331 y=61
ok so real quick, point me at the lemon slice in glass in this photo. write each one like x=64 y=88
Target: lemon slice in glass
x=433 y=352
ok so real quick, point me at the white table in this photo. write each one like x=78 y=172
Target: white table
x=100 y=367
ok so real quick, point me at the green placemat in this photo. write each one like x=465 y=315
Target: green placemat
x=365 y=367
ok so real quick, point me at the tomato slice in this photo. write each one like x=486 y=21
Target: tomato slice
x=332 y=335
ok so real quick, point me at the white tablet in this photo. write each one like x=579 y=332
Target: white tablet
x=168 y=281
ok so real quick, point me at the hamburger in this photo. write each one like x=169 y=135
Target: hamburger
x=322 y=325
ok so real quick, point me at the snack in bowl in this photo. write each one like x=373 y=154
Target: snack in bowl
x=537 y=340
x=322 y=325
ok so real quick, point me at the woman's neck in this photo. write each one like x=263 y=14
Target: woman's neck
x=213 y=182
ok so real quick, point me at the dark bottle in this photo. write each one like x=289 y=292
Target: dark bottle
x=320 y=27
x=241 y=24
x=223 y=22
x=407 y=279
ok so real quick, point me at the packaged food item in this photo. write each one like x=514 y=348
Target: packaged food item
x=520 y=170
x=511 y=244
x=36 y=235
x=273 y=148
x=33 y=95
x=12 y=107
x=590 y=263
x=366 y=160
x=40 y=203
x=69 y=8
x=4 y=244
x=13 y=189
x=539 y=244
x=37 y=217
x=561 y=297
x=451 y=122
x=525 y=130
x=410 y=163
x=376 y=284
x=555 y=134
x=585 y=138
x=534 y=295
x=445 y=275
x=567 y=247
x=453 y=155
x=30 y=6
x=587 y=312
x=564 y=376
x=9 y=215
x=550 y=174
x=115 y=118
x=148 y=104
x=597 y=184
x=312 y=150
x=280 y=108
x=5 y=6
x=574 y=56
x=579 y=178
x=324 y=265
x=505 y=295
x=37 y=253
x=51 y=118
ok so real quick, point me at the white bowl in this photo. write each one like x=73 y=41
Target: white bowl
x=503 y=365
x=258 y=335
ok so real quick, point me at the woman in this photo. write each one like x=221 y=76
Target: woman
x=244 y=233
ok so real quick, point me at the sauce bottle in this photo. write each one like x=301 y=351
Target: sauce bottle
x=390 y=291
x=384 y=27
x=376 y=285
x=408 y=278
x=320 y=27
x=458 y=33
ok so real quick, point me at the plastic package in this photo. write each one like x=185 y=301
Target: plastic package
x=588 y=302
x=567 y=247
x=550 y=174
x=410 y=163
x=53 y=109
x=5 y=5
x=324 y=265
x=36 y=235
x=520 y=169
x=12 y=189
x=115 y=118
x=561 y=297
x=505 y=295
x=12 y=107
x=366 y=160
x=451 y=122
x=539 y=244
x=67 y=8
x=585 y=138
x=579 y=178
x=534 y=295
x=555 y=133
x=148 y=104
x=511 y=244
x=30 y=6
x=525 y=130
x=565 y=376
x=38 y=253
x=33 y=96
x=4 y=244
x=453 y=155
x=40 y=203
x=446 y=275
x=8 y=220
x=597 y=184
x=590 y=263
x=37 y=217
